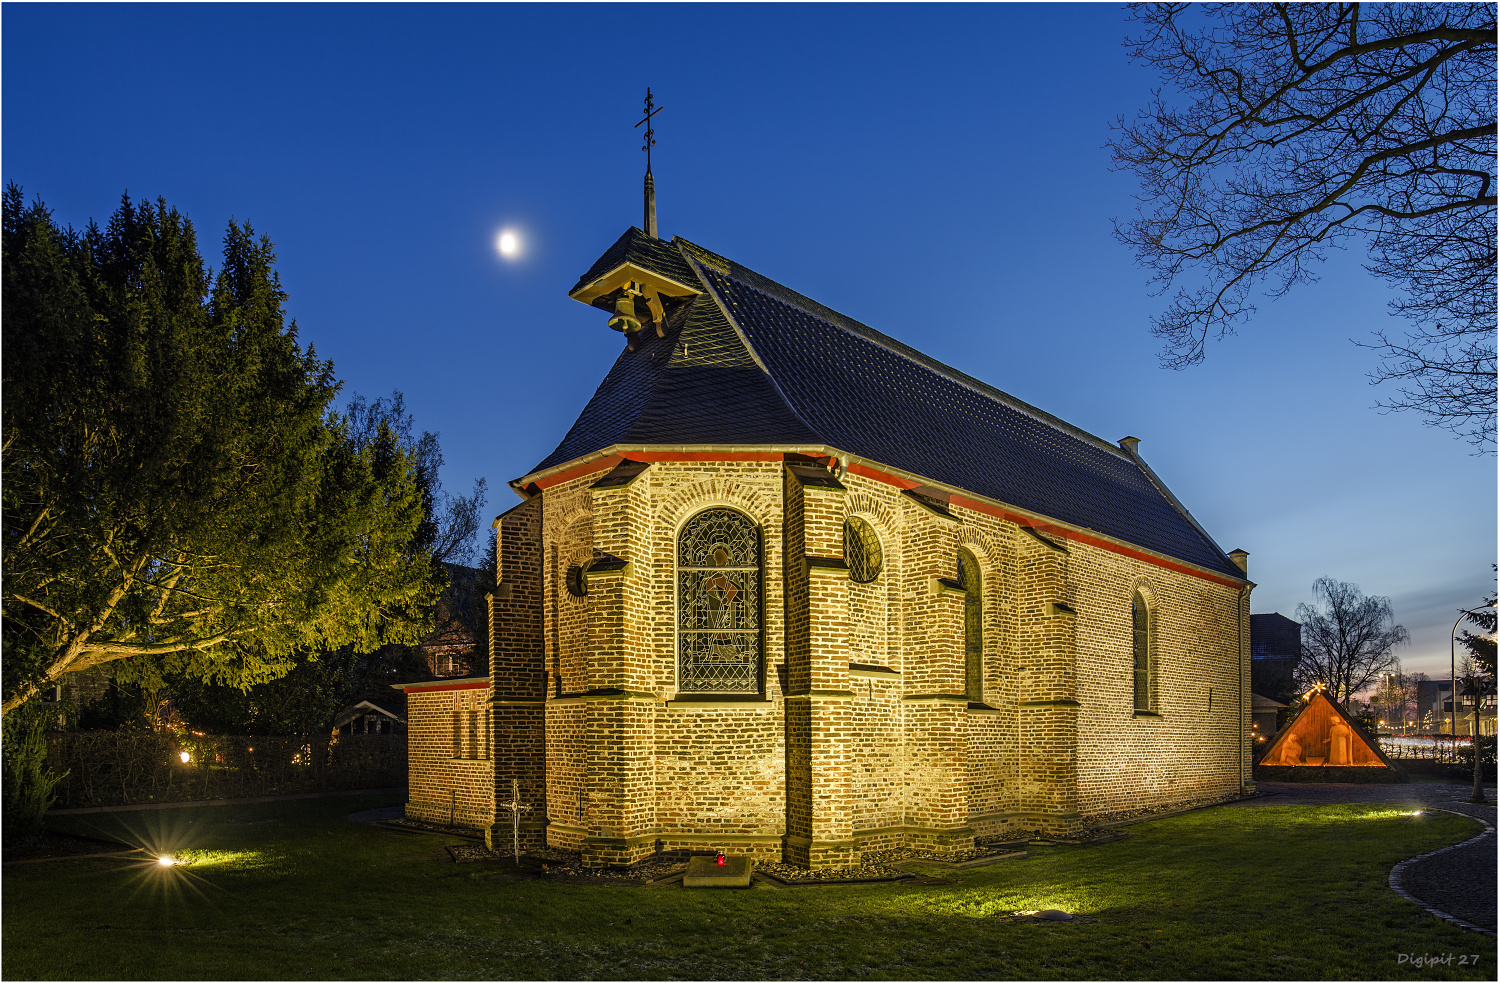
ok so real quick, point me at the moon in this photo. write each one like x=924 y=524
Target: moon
x=508 y=243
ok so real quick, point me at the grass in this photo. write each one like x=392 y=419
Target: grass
x=294 y=890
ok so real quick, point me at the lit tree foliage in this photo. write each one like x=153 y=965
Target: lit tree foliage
x=1347 y=639
x=1307 y=126
x=177 y=497
x=1481 y=646
x=321 y=684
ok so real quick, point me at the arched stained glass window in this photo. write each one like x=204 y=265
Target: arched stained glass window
x=718 y=604
x=1141 y=649
x=969 y=576
x=862 y=551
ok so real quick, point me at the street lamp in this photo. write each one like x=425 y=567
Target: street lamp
x=1478 y=695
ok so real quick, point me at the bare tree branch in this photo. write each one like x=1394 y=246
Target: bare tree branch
x=1308 y=126
x=1348 y=639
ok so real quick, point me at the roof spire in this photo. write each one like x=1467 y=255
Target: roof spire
x=650 y=181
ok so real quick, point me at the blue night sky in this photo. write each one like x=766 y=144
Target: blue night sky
x=936 y=172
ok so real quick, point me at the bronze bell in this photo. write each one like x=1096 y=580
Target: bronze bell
x=625 y=319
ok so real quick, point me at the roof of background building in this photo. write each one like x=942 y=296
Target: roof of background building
x=781 y=369
x=1275 y=636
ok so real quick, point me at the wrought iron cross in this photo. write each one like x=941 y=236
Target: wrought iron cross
x=650 y=133
x=516 y=807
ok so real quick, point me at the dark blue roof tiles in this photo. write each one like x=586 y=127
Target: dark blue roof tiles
x=616 y=404
x=712 y=404
x=829 y=380
x=879 y=402
x=698 y=385
x=647 y=253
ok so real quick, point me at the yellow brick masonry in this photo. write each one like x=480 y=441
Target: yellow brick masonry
x=824 y=764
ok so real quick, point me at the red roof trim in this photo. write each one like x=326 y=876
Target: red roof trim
x=648 y=457
x=865 y=471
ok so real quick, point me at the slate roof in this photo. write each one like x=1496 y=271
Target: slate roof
x=810 y=376
x=644 y=251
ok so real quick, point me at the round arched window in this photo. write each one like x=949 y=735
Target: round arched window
x=718 y=603
x=861 y=550
x=578 y=584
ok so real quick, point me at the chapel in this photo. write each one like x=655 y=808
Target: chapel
x=790 y=589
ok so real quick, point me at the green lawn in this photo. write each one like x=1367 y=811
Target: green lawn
x=1297 y=893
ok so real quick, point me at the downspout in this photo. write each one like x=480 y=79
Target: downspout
x=1242 y=618
x=1241 y=559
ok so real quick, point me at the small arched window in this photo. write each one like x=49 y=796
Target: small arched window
x=862 y=552
x=1140 y=645
x=969 y=576
x=718 y=603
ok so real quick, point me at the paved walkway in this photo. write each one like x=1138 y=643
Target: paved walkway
x=1458 y=882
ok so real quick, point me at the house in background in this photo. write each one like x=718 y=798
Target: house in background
x=452 y=647
x=1275 y=649
x=384 y=714
x=792 y=589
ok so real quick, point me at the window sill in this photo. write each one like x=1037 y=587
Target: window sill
x=985 y=710
x=1147 y=713
x=859 y=670
x=724 y=702
x=472 y=762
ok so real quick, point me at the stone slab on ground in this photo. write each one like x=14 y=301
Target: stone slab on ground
x=708 y=872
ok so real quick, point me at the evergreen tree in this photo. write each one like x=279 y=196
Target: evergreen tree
x=177 y=497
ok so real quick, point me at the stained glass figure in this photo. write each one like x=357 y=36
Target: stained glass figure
x=861 y=550
x=718 y=604
x=968 y=575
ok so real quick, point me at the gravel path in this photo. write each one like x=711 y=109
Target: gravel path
x=1460 y=882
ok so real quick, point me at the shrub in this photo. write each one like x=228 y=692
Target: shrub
x=28 y=783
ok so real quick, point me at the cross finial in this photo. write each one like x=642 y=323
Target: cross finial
x=651 y=110
x=650 y=133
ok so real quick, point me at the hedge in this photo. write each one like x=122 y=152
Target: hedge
x=106 y=768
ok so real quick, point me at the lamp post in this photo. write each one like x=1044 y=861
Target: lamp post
x=1453 y=675
x=1477 y=695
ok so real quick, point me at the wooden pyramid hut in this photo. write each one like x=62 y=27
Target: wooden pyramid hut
x=1324 y=744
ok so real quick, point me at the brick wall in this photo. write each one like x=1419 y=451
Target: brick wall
x=451 y=777
x=823 y=764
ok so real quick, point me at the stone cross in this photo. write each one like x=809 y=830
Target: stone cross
x=516 y=807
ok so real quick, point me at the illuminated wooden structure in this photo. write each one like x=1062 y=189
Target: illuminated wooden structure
x=1323 y=736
